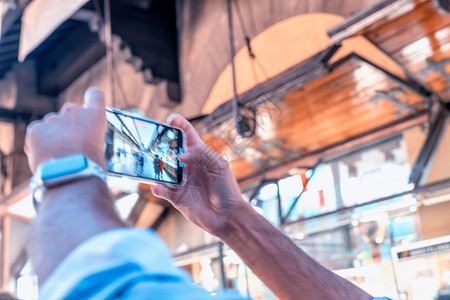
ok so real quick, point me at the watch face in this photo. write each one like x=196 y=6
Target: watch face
x=63 y=167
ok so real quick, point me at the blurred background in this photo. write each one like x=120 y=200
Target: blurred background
x=332 y=114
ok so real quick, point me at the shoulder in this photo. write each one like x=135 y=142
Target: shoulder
x=123 y=263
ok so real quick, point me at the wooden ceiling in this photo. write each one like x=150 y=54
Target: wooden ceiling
x=346 y=99
x=419 y=41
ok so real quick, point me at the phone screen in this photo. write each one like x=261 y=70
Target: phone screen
x=143 y=149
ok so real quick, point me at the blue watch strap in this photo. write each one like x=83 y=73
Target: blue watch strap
x=63 y=166
x=62 y=170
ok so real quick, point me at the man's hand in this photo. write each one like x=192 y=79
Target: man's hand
x=211 y=199
x=210 y=195
x=74 y=129
x=73 y=212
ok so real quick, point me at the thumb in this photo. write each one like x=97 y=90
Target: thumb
x=205 y=157
x=160 y=191
x=94 y=98
x=192 y=137
x=174 y=196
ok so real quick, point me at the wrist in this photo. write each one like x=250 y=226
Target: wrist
x=62 y=171
x=90 y=193
x=80 y=186
x=237 y=220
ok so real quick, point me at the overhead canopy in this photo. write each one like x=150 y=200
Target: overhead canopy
x=320 y=104
x=355 y=98
x=41 y=18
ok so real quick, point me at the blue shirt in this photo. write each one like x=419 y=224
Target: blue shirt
x=127 y=264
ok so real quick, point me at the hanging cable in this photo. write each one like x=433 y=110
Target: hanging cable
x=3 y=171
x=245 y=123
x=233 y=67
x=109 y=49
x=106 y=22
x=245 y=34
x=254 y=61
x=247 y=39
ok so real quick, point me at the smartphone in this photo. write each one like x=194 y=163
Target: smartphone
x=143 y=149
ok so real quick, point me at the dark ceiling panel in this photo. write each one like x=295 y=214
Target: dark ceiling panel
x=9 y=44
x=147 y=28
x=67 y=54
x=151 y=35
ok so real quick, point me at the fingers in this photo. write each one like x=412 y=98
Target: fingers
x=50 y=116
x=30 y=127
x=192 y=136
x=94 y=99
x=187 y=157
x=201 y=154
x=68 y=106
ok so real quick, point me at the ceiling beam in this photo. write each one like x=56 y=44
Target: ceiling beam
x=355 y=24
x=274 y=88
x=17 y=115
x=445 y=183
x=61 y=62
x=363 y=139
x=430 y=146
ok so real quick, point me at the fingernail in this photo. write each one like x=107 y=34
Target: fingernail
x=92 y=95
x=171 y=117
x=91 y=91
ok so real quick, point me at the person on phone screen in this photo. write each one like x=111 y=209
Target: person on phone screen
x=80 y=248
x=156 y=167
x=161 y=168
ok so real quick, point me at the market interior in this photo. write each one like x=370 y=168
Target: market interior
x=334 y=117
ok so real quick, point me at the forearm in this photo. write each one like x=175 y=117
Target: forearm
x=288 y=271
x=69 y=214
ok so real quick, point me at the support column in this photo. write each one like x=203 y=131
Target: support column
x=5 y=252
x=28 y=99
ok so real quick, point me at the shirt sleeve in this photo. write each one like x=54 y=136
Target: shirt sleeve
x=123 y=263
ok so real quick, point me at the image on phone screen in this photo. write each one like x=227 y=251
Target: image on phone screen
x=142 y=149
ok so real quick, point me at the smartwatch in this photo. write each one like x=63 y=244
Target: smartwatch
x=62 y=170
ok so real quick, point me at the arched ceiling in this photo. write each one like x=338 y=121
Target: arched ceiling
x=285 y=45
x=204 y=44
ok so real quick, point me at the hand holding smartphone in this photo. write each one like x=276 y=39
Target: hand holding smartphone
x=143 y=149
